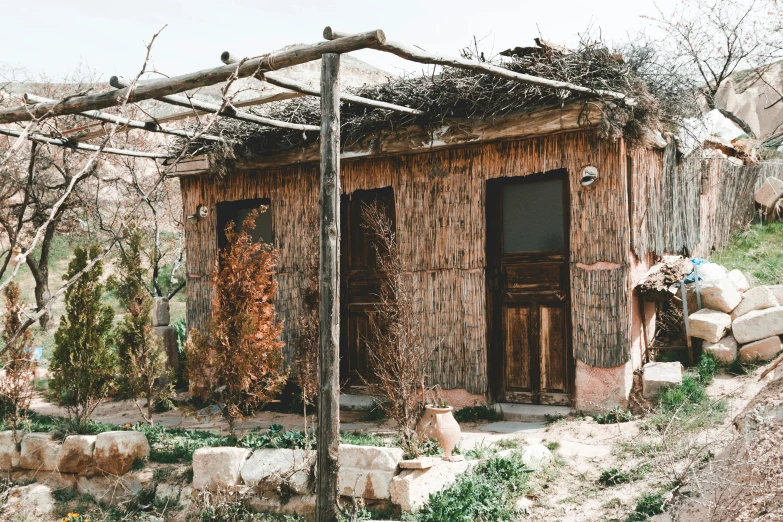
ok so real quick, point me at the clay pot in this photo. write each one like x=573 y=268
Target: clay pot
x=447 y=431
x=426 y=426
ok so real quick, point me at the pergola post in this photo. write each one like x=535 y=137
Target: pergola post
x=328 y=440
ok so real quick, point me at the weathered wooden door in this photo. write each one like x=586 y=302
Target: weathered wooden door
x=527 y=251
x=360 y=282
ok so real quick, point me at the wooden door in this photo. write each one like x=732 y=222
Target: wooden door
x=360 y=282
x=528 y=297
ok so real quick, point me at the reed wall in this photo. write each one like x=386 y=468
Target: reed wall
x=440 y=204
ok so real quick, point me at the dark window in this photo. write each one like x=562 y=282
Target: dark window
x=533 y=216
x=237 y=211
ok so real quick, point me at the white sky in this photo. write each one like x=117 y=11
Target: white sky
x=55 y=36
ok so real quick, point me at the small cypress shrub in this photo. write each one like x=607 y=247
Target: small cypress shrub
x=82 y=367
x=142 y=362
x=238 y=362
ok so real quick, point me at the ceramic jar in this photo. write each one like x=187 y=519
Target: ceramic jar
x=439 y=423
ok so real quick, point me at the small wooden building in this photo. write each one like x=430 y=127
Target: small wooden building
x=523 y=236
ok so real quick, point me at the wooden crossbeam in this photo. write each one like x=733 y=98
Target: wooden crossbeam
x=96 y=130
x=183 y=101
x=149 y=126
x=300 y=87
x=187 y=82
x=416 y=55
x=84 y=146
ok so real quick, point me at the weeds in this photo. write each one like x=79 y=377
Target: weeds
x=473 y=414
x=614 y=476
x=757 y=251
x=615 y=416
x=649 y=505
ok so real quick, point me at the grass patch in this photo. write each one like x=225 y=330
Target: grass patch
x=614 y=477
x=615 y=416
x=648 y=506
x=486 y=493
x=473 y=414
x=757 y=251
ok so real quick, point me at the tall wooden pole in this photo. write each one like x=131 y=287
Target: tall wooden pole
x=326 y=509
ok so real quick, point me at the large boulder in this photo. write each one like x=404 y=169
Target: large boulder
x=758 y=298
x=31 y=502
x=302 y=505
x=763 y=350
x=710 y=325
x=724 y=351
x=117 y=451
x=269 y=469
x=76 y=454
x=9 y=451
x=658 y=376
x=740 y=281
x=769 y=193
x=367 y=471
x=412 y=488
x=759 y=324
x=218 y=468
x=777 y=291
x=720 y=295
x=39 y=452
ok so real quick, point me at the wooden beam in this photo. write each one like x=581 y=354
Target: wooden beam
x=149 y=126
x=288 y=83
x=326 y=509
x=96 y=130
x=187 y=82
x=84 y=146
x=183 y=101
x=416 y=55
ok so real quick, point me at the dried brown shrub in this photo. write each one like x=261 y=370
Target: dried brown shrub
x=398 y=357
x=16 y=384
x=238 y=362
x=307 y=340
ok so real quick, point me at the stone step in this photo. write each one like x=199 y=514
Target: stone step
x=356 y=402
x=530 y=412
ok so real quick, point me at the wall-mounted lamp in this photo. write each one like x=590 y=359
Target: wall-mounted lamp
x=589 y=175
x=202 y=211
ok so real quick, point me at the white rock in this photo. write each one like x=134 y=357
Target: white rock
x=76 y=454
x=739 y=280
x=777 y=290
x=168 y=494
x=111 y=490
x=711 y=272
x=660 y=375
x=218 y=468
x=39 y=452
x=769 y=193
x=724 y=351
x=537 y=456
x=32 y=502
x=9 y=451
x=720 y=295
x=412 y=488
x=369 y=457
x=709 y=325
x=763 y=350
x=758 y=324
x=758 y=298
x=117 y=451
x=271 y=467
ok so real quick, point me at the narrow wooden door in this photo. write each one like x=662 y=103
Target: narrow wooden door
x=360 y=282
x=527 y=242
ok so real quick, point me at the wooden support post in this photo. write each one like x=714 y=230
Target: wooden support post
x=326 y=509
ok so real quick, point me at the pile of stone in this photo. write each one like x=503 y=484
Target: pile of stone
x=282 y=480
x=737 y=321
x=97 y=465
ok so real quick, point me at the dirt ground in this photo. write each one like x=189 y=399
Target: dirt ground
x=568 y=492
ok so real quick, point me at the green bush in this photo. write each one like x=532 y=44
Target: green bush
x=649 y=505
x=614 y=476
x=615 y=416
x=477 y=413
x=690 y=392
x=82 y=367
x=707 y=368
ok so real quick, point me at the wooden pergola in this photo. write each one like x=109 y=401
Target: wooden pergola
x=262 y=67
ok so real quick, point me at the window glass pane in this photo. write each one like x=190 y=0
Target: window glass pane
x=533 y=216
x=237 y=211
